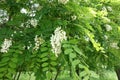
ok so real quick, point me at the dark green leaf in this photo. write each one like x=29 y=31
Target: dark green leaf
x=9 y=76
x=14 y=60
x=2 y=64
x=5 y=59
x=3 y=69
x=11 y=70
x=1 y=75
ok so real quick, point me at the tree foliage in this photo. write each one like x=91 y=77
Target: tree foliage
x=91 y=28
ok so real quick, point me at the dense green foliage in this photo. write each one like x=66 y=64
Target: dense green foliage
x=92 y=29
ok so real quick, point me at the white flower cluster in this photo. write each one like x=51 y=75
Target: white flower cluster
x=34 y=22
x=56 y=39
x=108 y=27
x=35 y=5
x=5 y=46
x=63 y=1
x=33 y=9
x=24 y=11
x=114 y=45
x=3 y=16
x=29 y=13
x=27 y=24
x=38 y=42
x=107 y=8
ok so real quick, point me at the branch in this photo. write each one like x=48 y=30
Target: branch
x=58 y=71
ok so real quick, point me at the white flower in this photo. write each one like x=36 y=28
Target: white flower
x=38 y=42
x=24 y=11
x=56 y=39
x=73 y=17
x=5 y=46
x=14 y=32
x=104 y=8
x=33 y=22
x=32 y=14
x=108 y=27
x=106 y=37
x=109 y=8
x=35 y=5
x=86 y=38
x=114 y=45
x=63 y=1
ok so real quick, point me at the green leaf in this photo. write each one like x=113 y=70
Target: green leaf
x=43 y=45
x=7 y=54
x=83 y=73
x=15 y=55
x=66 y=45
x=5 y=59
x=73 y=41
x=44 y=55
x=86 y=78
x=9 y=76
x=14 y=60
x=44 y=59
x=53 y=69
x=45 y=69
x=53 y=58
x=39 y=60
x=93 y=74
x=53 y=63
x=2 y=64
x=75 y=62
x=3 y=69
x=81 y=66
x=49 y=75
x=68 y=51
x=43 y=49
x=12 y=65
x=72 y=55
x=1 y=75
x=44 y=64
x=11 y=70
x=78 y=51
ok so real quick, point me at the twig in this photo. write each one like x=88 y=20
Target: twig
x=58 y=71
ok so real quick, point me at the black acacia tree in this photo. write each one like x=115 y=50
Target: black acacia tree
x=48 y=37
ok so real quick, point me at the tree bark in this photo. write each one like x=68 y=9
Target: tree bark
x=118 y=73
